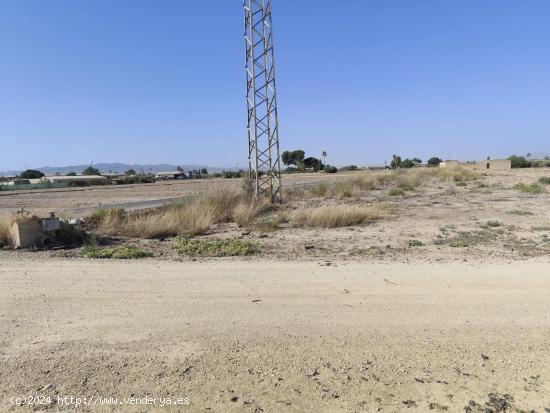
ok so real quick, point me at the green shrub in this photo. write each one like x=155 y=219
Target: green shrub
x=545 y=180
x=461 y=183
x=493 y=224
x=330 y=169
x=123 y=252
x=415 y=243
x=214 y=247
x=530 y=188
x=519 y=162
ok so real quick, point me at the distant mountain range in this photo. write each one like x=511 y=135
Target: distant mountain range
x=116 y=168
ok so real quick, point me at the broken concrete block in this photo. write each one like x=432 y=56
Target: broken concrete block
x=28 y=233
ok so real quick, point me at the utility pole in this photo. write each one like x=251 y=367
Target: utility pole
x=261 y=100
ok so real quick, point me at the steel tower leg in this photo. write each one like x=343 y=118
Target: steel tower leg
x=261 y=100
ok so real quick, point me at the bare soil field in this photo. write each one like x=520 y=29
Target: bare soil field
x=236 y=336
x=63 y=201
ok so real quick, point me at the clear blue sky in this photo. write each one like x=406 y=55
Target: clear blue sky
x=163 y=81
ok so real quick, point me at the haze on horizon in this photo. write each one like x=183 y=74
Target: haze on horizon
x=148 y=82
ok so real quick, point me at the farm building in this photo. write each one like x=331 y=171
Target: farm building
x=168 y=176
x=76 y=178
x=490 y=164
x=6 y=179
x=19 y=181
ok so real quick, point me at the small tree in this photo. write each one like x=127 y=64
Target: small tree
x=313 y=163
x=90 y=170
x=130 y=172
x=71 y=173
x=519 y=162
x=434 y=161
x=293 y=157
x=204 y=171
x=31 y=174
x=395 y=162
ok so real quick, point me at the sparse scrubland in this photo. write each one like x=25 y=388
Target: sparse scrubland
x=197 y=215
x=396 y=182
x=357 y=215
x=193 y=217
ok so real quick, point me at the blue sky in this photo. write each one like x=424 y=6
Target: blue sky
x=163 y=81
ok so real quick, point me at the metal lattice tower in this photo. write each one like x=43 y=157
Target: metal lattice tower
x=261 y=99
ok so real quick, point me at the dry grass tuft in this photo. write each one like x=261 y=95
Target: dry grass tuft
x=170 y=221
x=341 y=215
x=248 y=209
x=107 y=221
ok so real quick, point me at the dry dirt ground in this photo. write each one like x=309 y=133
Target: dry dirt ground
x=434 y=309
x=235 y=336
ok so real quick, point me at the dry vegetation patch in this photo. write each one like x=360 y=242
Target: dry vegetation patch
x=341 y=215
x=398 y=182
x=5 y=224
x=193 y=217
x=121 y=252
x=532 y=188
x=247 y=209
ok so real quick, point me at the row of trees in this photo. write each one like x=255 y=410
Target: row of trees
x=523 y=162
x=297 y=160
x=91 y=171
x=35 y=174
x=397 y=162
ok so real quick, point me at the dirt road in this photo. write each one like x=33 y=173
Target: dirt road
x=275 y=337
